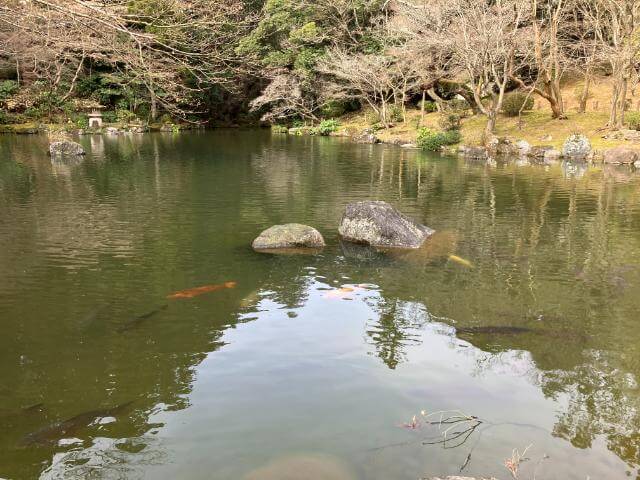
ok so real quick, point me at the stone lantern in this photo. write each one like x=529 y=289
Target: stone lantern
x=95 y=118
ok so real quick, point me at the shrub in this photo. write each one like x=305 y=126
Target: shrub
x=451 y=137
x=109 y=116
x=450 y=120
x=633 y=120
x=7 y=88
x=279 y=129
x=327 y=127
x=395 y=113
x=4 y=117
x=513 y=103
x=433 y=141
x=332 y=108
x=124 y=116
x=429 y=106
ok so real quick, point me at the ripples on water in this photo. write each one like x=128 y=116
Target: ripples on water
x=311 y=363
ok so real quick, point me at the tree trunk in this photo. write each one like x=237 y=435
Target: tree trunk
x=491 y=124
x=585 y=92
x=439 y=101
x=422 y=107
x=153 y=113
x=615 y=98
x=623 y=103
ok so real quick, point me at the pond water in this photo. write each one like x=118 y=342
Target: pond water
x=324 y=367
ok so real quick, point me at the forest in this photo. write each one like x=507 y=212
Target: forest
x=299 y=61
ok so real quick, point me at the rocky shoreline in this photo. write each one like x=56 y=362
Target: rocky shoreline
x=576 y=147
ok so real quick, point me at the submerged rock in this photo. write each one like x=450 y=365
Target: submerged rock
x=65 y=147
x=456 y=477
x=301 y=466
x=576 y=146
x=289 y=235
x=623 y=155
x=378 y=224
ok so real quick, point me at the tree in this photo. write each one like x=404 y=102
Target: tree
x=615 y=27
x=548 y=25
x=174 y=50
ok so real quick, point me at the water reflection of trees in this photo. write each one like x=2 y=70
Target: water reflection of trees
x=552 y=251
x=396 y=329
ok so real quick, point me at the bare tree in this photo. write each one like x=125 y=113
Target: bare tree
x=285 y=98
x=615 y=25
x=547 y=55
x=175 y=49
x=368 y=78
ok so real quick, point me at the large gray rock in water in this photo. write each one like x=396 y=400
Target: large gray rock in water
x=576 y=146
x=621 y=155
x=65 y=147
x=289 y=235
x=378 y=224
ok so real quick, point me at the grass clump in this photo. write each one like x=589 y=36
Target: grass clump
x=633 y=120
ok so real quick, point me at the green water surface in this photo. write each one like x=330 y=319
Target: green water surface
x=313 y=366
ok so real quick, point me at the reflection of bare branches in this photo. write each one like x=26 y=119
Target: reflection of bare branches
x=453 y=420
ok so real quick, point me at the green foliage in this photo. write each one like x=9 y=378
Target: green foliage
x=433 y=141
x=279 y=129
x=124 y=115
x=4 y=117
x=109 y=116
x=633 y=120
x=513 y=102
x=395 y=113
x=429 y=106
x=327 y=127
x=450 y=120
x=8 y=88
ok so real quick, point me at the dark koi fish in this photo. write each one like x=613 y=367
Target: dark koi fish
x=58 y=430
x=141 y=318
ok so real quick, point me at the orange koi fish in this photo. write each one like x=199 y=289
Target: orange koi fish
x=194 y=292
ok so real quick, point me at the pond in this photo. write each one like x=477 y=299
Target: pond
x=514 y=328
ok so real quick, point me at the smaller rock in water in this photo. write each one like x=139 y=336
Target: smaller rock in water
x=551 y=155
x=467 y=151
x=367 y=136
x=65 y=147
x=622 y=155
x=539 y=151
x=289 y=235
x=523 y=147
x=576 y=146
x=378 y=224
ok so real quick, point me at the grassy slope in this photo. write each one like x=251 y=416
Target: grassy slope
x=535 y=124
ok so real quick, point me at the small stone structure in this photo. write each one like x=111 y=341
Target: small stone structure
x=95 y=119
